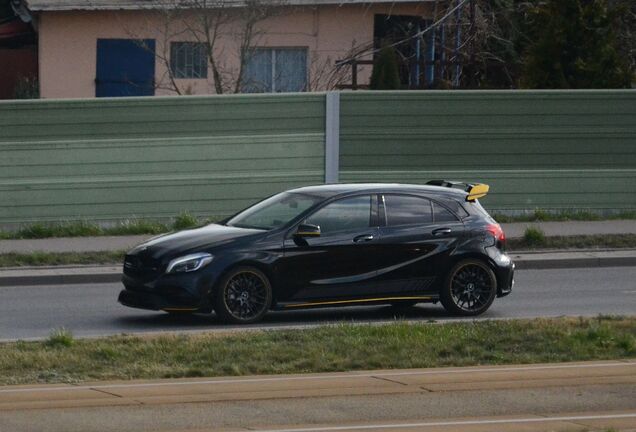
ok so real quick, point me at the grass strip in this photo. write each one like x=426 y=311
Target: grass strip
x=92 y=229
x=84 y=229
x=540 y=215
x=60 y=258
x=535 y=240
x=185 y=220
x=341 y=347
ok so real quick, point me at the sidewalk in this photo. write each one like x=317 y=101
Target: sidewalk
x=117 y=243
x=572 y=228
x=524 y=260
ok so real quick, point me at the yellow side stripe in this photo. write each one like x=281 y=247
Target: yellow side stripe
x=358 y=301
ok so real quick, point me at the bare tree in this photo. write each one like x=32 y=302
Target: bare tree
x=327 y=72
x=226 y=30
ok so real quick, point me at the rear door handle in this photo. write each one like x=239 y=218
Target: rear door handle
x=363 y=238
x=441 y=231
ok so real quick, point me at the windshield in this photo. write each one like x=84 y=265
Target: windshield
x=275 y=211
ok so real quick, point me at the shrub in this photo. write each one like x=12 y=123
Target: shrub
x=60 y=338
x=385 y=75
x=184 y=221
x=534 y=237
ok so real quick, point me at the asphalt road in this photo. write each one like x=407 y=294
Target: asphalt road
x=90 y=310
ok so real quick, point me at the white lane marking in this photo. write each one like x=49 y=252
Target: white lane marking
x=322 y=377
x=453 y=423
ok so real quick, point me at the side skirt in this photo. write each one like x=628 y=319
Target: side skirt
x=355 y=302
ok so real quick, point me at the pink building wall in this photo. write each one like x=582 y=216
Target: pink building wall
x=68 y=40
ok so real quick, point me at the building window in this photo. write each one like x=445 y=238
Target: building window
x=188 y=60
x=275 y=70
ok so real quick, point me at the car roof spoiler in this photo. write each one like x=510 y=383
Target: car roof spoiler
x=475 y=191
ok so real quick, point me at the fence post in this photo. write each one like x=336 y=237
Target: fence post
x=332 y=136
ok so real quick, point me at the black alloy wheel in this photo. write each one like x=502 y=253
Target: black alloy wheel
x=470 y=288
x=245 y=295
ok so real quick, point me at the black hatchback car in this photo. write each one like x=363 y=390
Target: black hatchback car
x=330 y=245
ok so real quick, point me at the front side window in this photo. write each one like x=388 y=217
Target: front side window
x=188 y=60
x=275 y=211
x=343 y=215
x=407 y=210
x=275 y=70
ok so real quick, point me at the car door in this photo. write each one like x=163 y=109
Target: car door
x=341 y=262
x=416 y=238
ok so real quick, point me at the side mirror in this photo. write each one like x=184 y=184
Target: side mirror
x=307 y=230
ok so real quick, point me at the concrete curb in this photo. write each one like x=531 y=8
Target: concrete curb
x=59 y=279
x=544 y=260
x=61 y=275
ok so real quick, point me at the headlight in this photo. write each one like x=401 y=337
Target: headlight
x=189 y=263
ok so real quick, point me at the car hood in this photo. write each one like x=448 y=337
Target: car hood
x=191 y=240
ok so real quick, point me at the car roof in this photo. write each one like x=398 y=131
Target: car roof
x=331 y=190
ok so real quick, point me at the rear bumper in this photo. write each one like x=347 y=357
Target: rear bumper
x=505 y=271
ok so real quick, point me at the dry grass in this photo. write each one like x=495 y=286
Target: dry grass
x=323 y=349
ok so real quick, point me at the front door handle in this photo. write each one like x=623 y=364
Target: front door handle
x=363 y=238
x=441 y=231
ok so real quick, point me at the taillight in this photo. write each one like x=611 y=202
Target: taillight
x=497 y=232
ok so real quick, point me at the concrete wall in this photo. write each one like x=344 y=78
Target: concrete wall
x=112 y=159
x=68 y=40
x=537 y=149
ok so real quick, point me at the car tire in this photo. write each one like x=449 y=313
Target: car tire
x=244 y=296
x=469 y=289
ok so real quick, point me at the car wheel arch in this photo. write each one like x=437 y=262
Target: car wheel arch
x=471 y=255
x=445 y=291
x=245 y=263
x=466 y=256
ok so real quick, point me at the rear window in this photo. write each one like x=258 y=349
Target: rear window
x=475 y=208
x=407 y=210
x=455 y=207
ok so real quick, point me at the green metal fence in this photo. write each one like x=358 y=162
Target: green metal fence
x=537 y=149
x=111 y=159
x=154 y=157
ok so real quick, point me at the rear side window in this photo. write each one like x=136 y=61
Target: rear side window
x=455 y=207
x=407 y=210
x=441 y=214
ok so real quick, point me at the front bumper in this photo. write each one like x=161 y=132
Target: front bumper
x=184 y=292
x=150 y=301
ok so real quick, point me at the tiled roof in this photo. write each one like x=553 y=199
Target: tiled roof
x=63 y=5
